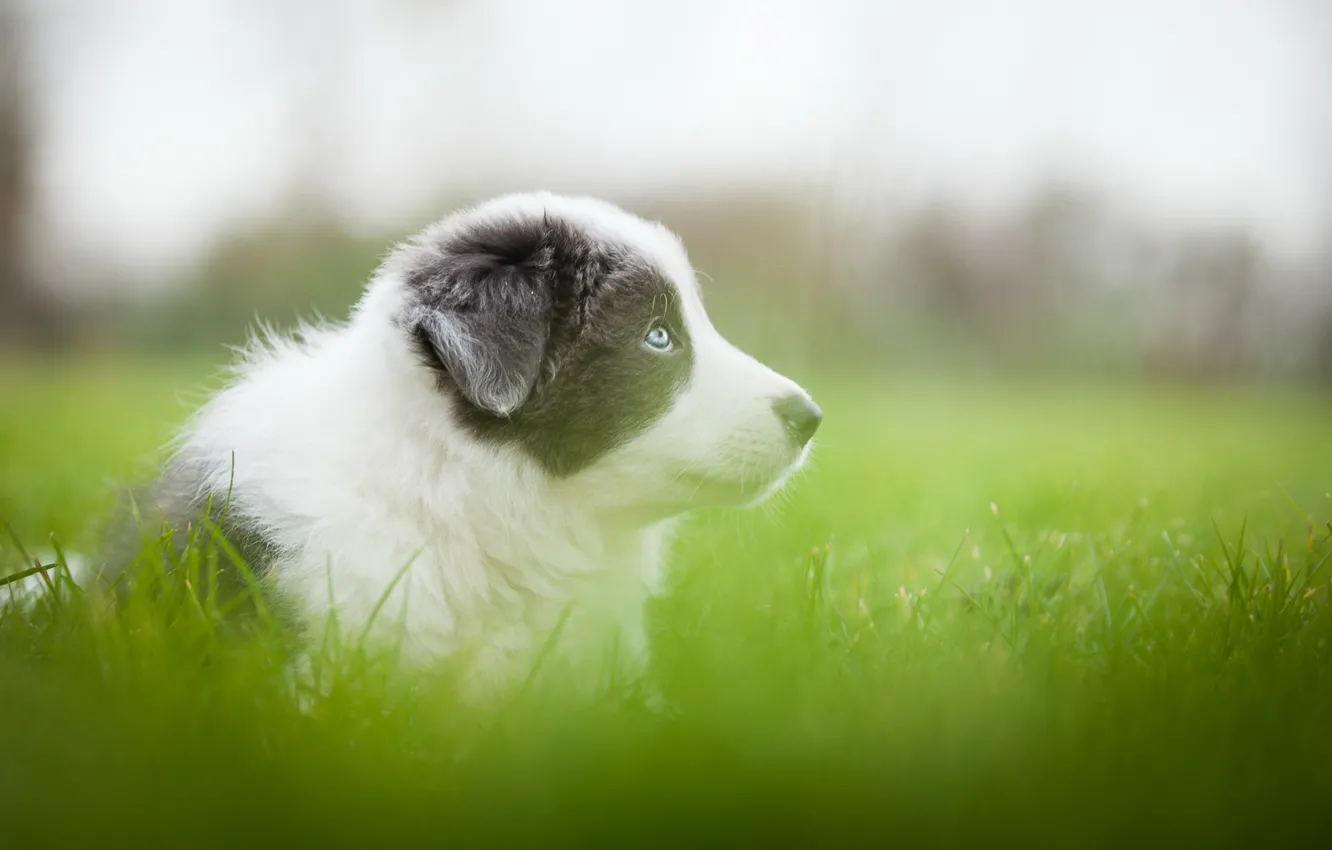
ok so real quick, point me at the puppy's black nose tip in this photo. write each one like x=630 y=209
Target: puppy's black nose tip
x=800 y=415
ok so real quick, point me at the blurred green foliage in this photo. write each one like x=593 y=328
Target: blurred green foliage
x=1064 y=284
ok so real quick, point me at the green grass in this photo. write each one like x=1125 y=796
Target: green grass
x=1035 y=612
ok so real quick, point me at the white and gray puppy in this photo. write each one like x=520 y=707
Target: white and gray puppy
x=524 y=399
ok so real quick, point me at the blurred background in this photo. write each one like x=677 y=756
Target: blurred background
x=1137 y=187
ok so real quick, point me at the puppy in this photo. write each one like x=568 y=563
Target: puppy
x=495 y=445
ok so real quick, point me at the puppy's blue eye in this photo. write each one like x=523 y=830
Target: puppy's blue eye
x=658 y=339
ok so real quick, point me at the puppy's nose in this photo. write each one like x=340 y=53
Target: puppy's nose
x=800 y=415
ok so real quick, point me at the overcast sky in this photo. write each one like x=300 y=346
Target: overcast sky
x=163 y=122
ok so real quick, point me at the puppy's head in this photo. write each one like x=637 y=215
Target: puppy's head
x=575 y=333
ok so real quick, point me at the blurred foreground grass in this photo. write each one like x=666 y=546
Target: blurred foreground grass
x=1058 y=613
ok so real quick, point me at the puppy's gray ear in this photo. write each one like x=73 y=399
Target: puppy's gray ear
x=482 y=319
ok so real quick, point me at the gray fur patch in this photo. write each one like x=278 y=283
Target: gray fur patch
x=538 y=328
x=170 y=511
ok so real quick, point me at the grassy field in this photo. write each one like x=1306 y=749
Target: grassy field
x=990 y=612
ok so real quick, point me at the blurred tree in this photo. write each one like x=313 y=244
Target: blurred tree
x=25 y=312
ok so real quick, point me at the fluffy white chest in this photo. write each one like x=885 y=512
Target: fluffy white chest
x=501 y=602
